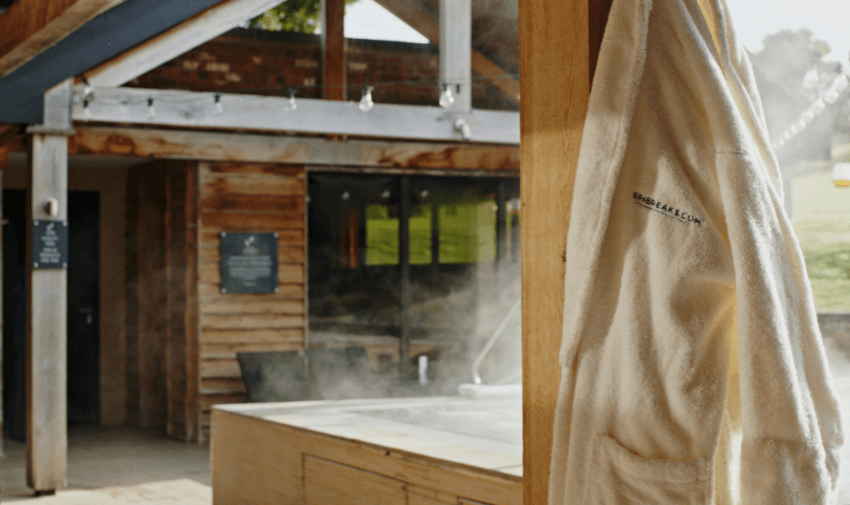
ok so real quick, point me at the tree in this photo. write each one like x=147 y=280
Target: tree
x=292 y=16
x=780 y=69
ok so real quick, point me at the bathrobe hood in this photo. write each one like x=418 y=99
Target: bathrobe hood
x=693 y=370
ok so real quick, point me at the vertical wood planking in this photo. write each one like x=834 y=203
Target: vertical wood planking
x=131 y=279
x=182 y=273
x=247 y=197
x=46 y=342
x=333 y=49
x=152 y=295
x=552 y=118
x=146 y=295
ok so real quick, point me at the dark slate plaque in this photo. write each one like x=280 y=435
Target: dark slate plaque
x=50 y=244
x=249 y=263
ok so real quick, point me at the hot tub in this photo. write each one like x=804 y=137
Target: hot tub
x=413 y=451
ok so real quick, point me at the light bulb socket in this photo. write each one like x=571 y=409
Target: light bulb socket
x=366 y=102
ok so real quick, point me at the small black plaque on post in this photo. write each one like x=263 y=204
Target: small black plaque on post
x=249 y=263
x=50 y=244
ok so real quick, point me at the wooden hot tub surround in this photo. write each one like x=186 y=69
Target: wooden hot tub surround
x=351 y=452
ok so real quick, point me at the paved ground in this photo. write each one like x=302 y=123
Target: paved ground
x=117 y=466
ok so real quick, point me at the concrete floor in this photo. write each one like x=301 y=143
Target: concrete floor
x=116 y=466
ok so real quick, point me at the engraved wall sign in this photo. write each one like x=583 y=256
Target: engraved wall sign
x=50 y=244
x=249 y=263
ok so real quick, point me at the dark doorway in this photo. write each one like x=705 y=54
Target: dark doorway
x=83 y=309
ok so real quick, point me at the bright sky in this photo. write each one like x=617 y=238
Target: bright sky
x=829 y=20
x=368 y=20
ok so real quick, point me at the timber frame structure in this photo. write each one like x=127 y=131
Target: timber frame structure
x=187 y=174
x=209 y=166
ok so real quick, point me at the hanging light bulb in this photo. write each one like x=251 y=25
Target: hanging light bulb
x=151 y=110
x=831 y=96
x=841 y=83
x=218 y=108
x=366 y=102
x=809 y=115
x=346 y=195
x=802 y=123
x=86 y=110
x=291 y=105
x=446 y=98
x=811 y=79
x=794 y=130
x=818 y=106
x=385 y=194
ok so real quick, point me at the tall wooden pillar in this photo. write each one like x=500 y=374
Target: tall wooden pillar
x=456 y=51
x=332 y=14
x=4 y=164
x=559 y=41
x=46 y=333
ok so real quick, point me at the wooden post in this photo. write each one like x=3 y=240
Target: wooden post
x=332 y=13
x=404 y=270
x=4 y=164
x=553 y=108
x=456 y=51
x=46 y=331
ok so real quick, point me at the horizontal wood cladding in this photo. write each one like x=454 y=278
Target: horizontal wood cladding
x=248 y=198
x=272 y=204
x=250 y=321
x=207 y=292
x=246 y=185
x=261 y=306
x=238 y=337
x=239 y=220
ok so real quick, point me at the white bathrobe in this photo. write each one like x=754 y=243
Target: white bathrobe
x=688 y=315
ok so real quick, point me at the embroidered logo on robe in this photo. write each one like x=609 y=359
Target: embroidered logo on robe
x=666 y=209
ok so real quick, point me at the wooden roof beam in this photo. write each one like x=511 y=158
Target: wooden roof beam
x=423 y=22
x=31 y=26
x=264 y=113
x=187 y=35
x=376 y=155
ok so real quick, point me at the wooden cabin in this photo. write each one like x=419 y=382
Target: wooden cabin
x=141 y=139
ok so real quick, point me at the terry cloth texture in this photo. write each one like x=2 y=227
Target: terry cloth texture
x=693 y=370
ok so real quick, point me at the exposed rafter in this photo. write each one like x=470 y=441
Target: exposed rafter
x=423 y=22
x=263 y=113
x=176 y=41
x=108 y=34
x=31 y=26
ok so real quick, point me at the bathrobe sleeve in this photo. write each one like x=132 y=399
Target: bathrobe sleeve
x=790 y=416
x=791 y=421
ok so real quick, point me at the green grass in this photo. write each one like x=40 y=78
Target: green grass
x=822 y=223
x=467 y=234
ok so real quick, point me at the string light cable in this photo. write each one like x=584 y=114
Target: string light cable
x=215 y=99
x=830 y=96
